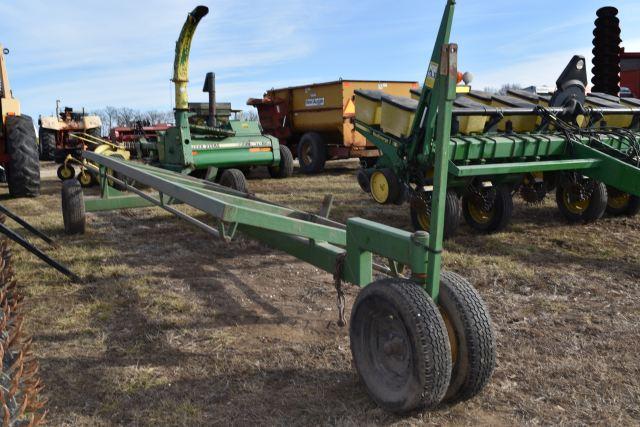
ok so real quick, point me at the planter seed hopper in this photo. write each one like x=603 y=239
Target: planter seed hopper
x=418 y=337
x=586 y=147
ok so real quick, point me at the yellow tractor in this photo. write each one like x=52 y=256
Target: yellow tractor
x=56 y=141
x=18 y=144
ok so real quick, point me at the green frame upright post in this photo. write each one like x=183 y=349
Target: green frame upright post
x=445 y=93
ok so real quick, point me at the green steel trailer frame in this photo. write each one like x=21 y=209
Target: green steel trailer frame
x=417 y=340
x=583 y=163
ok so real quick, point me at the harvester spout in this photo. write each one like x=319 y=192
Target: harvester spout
x=181 y=63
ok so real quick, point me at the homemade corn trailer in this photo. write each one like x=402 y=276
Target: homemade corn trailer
x=586 y=147
x=416 y=340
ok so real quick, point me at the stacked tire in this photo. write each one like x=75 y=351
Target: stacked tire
x=606 y=52
x=23 y=167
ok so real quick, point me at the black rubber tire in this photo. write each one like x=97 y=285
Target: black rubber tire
x=47 y=145
x=317 y=152
x=364 y=180
x=285 y=168
x=395 y=191
x=503 y=211
x=62 y=177
x=234 y=179
x=452 y=215
x=470 y=333
x=426 y=366
x=73 y=213
x=23 y=172
x=595 y=210
x=631 y=208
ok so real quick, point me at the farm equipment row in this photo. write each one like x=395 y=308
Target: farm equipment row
x=586 y=147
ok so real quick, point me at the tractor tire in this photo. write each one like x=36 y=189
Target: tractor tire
x=421 y=216
x=116 y=185
x=234 y=179
x=495 y=220
x=400 y=346
x=471 y=337
x=591 y=211
x=73 y=213
x=285 y=168
x=47 y=146
x=23 y=172
x=620 y=203
x=312 y=153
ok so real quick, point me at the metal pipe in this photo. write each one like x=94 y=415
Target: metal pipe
x=181 y=62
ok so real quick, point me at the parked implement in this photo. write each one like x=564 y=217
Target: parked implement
x=317 y=121
x=56 y=141
x=584 y=147
x=417 y=340
x=18 y=146
x=214 y=151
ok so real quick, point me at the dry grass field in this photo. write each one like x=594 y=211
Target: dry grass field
x=171 y=327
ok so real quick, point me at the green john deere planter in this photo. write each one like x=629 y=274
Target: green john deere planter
x=585 y=147
x=218 y=152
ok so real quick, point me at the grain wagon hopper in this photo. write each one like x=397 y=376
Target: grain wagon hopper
x=317 y=121
x=586 y=147
x=212 y=151
x=419 y=337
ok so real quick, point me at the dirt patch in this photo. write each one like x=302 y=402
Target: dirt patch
x=173 y=327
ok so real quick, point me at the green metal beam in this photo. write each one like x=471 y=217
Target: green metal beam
x=520 y=167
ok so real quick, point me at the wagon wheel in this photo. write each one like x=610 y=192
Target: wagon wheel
x=85 y=179
x=385 y=187
x=66 y=172
x=581 y=199
x=400 y=346
x=420 y=211
x=488 y=209
x=471 y=337
x=73 y=211
x=621 y=203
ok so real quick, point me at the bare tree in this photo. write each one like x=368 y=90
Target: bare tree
x=249 y=116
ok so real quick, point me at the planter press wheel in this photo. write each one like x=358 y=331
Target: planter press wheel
x=385 y=187
x=488 y=209
x=66 y=172
x=471 y=337
x=400 y=346
x=581 y=199
x=621 y=203
x=420 y=211
x=73 y=212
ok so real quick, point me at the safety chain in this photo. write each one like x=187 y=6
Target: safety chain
x=337 y=279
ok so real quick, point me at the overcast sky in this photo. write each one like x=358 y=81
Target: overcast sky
x=96 y=53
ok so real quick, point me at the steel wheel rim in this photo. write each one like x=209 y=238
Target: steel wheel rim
x=451 y=332
x=386 y=344
x=379 y=187
x=619 y=201
x=575 y=206
x=424 y=220
x=478 y=214
x=66 y=172
x=307 y=158
x=84 y=178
